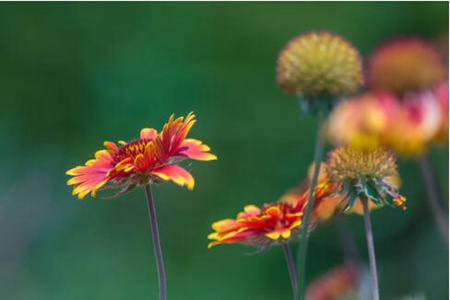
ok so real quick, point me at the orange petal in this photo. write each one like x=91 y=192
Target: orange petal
x=148 y=134
x=275 y=235
x=111 y=146
x=195 y=149
x=177 y=174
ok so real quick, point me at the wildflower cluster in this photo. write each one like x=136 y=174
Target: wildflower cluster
x=404 y=111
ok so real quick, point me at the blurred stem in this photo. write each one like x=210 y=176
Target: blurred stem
x=348 y=243
x=156 y=243
x=435 y=199
x=303 y=247
x=291 y=269
x=371 y=248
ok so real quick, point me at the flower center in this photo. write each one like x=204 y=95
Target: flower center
x=131 y=150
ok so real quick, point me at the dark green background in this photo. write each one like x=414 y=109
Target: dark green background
x=76 y=74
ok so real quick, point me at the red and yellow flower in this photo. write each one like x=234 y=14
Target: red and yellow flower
x=362 y=121
x=407 y=124
x=151 y=158
x=415 y=123
x=441 y=94
x=274 y=223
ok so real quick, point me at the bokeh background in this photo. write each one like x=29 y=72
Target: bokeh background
x=76 y=74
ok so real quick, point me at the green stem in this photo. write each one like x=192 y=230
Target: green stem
x=371 y=249
x=156 y=243
x=348 y=243
x=291 y=269
x=435 y=199
x=303 y=247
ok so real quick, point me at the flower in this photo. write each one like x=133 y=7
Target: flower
x=361 y=122
x=349 y=164
x=415 y=122
x=279 y=222
x=151 y=158
x=319 y=63
x=365 y=175
x=275 y=223
x=340 y=283
x=407 y=124
x=405 y=64
x=441 y=93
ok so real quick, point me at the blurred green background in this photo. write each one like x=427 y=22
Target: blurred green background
x=76 y=74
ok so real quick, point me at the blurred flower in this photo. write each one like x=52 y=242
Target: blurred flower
x=338 y=284
x=319 y=63
x=405 y=64
x=151 y=158
x=365 y=174
x=361 y=122
x=415 y=123
x=407 y=124
x=441 y=94
x=275 y=223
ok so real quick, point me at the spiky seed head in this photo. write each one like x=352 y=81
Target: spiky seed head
x=350 y=164
x=319 y=63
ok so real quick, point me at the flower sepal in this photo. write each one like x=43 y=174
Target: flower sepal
x=377 y=191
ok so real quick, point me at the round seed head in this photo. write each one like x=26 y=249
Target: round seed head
x=319 y=63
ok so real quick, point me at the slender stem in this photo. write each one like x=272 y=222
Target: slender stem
x=348 y=243
x=434 y=197
x=291 y=269
x=303 y=247
x=371 y=248
x=156 y=243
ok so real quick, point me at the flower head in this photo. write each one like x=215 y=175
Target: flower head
x=275 y=223
x=319 y=64
x=405 y=64
x=407 y=124
x=151 y=158
x=361 y=121
x=349 y=164
x=416 y=120
x=441 y=94
x=279 y=222
x=364 y=174
x=339 y=283
x=332 y=201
